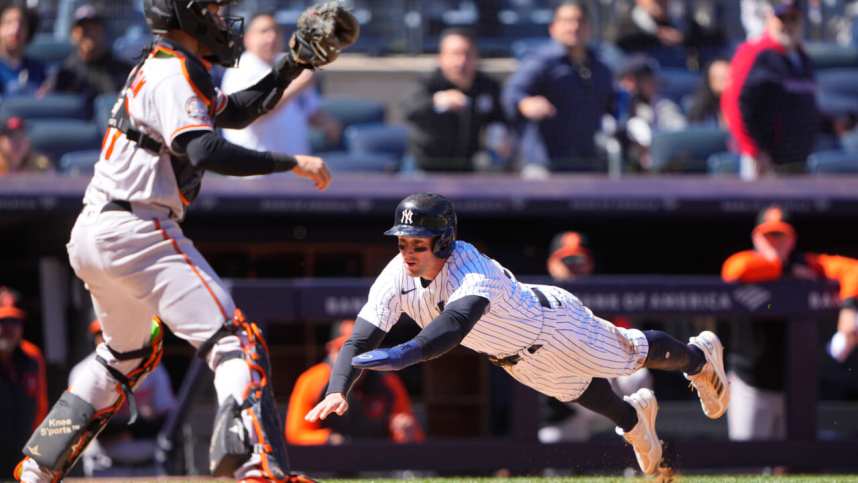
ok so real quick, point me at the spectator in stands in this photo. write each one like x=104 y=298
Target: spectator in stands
x=641 y=111
x=91 y=69
x=19 y=74
x=705 y=31
x=648 y=28
x=753 y=13
x=456 y=110
x=770 y=104
x=758 y=350
x=286 y=129
x=705 y=106
x=380 y=405
x=561 y=94
x=123 y=449
x=23 y=385
x=16 y=150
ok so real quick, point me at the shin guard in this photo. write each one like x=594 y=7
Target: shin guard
x=73 y=422
x=265 y=431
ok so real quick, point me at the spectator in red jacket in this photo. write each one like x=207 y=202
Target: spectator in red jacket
x=23 y=384
x=380 y=406
x=758 y=351
x=770 y=104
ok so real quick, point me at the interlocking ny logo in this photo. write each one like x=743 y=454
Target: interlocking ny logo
x=752 y=297
x=407 y=216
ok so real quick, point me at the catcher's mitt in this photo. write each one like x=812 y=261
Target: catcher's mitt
x=323 y=31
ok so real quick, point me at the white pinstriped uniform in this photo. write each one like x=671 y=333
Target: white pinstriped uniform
x=561 y=348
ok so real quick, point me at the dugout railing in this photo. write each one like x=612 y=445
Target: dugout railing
x=800 y=303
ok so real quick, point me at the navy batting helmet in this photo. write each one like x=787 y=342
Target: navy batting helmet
x=223 y=38
x=427 y=215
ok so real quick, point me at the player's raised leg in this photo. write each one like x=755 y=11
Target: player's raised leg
x=702 y=362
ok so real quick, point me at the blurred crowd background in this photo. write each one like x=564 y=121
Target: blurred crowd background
x=652 y=105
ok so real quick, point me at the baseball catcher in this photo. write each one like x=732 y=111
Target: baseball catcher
x=129 y=249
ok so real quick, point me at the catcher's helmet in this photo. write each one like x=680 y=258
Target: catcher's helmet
x=223 y=38
x=427 y=215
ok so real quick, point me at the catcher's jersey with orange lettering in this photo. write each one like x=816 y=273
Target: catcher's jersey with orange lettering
x=557 y=342
x=169 y=94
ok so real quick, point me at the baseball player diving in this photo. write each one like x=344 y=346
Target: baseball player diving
x=128 y=247
x=541 y=335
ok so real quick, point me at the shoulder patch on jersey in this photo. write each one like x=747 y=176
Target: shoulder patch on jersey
x=195 y=109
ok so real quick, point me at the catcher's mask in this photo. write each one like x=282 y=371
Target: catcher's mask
x=427 y=215
x=221 y=35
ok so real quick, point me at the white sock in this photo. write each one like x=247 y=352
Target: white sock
x=230 y=379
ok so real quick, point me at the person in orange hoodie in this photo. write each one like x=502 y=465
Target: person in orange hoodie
x=758 y=359
x=380 y=406
x=23 y=384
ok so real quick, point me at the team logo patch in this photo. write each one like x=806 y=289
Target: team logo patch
x=195 y=109
x=407 y=216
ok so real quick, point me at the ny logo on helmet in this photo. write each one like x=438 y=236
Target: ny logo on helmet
x=406 y=217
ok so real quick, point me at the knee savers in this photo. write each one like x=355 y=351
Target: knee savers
x=73 y=422
x=253 y=426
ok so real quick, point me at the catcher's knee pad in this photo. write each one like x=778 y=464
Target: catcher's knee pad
x=252 y=427
x=73 y=422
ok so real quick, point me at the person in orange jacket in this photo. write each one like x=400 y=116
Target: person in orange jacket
x=23 y=383
x=380 y=406
x=758 y=359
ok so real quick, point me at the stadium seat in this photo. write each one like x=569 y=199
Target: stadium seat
x=686 y=151
x=353 y=111
x=723 y=163
x=339 y=161
x=49 y=50
x=831 y=162
x=849 y=141
x=78 y=162
x=348 y=111
x=373 y=139
x=677 y=84
x=836 y=104
x=55 y=106
x=831 y=56
x=840 y=81
x=56 y=137
x=102 y=107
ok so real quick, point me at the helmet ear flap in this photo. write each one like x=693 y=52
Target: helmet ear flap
x=442 y=245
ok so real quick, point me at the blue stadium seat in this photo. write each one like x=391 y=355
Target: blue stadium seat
x=353 y=111
x=836 y=104
x=49 y=50
x=840 y=81
x=56 y=137
x=831 y=56
x=101 y=110
x=339 y=161
x=678 y=84
x=849 y=141
x=831 y=162
x=373 y=139
x=78 y=162
x=724 y=163
x=55 y=106
x=686 y=151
